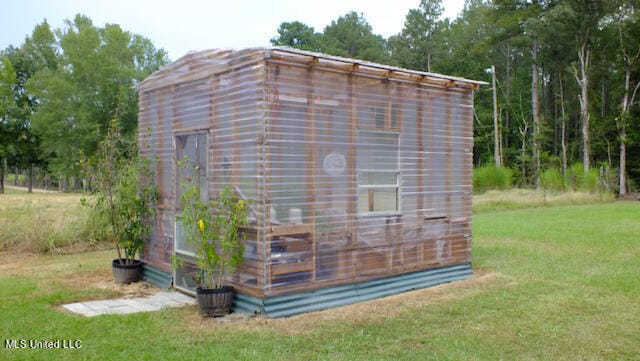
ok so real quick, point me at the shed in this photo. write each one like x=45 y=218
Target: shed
x=360 y=173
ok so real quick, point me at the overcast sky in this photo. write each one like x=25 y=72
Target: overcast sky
x=184 y=25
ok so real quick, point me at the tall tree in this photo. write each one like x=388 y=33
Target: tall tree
x=416 y=44
x=37 y=53
x=8 y=81
x=627 y=25
x=352 y=36
x=95 y=78
x=297 y=35
x=584 y=17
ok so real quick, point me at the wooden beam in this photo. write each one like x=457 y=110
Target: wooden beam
x=311 y=165
x=352 y=210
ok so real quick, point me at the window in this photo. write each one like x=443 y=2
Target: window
x=378 y=173
x=380 y=116
x=191 y=153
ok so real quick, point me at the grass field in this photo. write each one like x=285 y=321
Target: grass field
x=42 y=222
x=551 y=283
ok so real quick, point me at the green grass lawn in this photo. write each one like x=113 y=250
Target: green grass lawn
x=552 y=283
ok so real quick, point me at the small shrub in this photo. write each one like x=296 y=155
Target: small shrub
x=552 y=180
x=491 y=177
x=581 y=181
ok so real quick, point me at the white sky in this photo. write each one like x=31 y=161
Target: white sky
x=184 y=25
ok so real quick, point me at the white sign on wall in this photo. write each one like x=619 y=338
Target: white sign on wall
x=334 y=164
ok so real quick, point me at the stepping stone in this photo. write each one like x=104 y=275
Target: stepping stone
x=124 y=306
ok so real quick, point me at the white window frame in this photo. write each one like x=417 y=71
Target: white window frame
x=391 y=186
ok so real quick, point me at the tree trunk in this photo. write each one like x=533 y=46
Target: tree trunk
x=583 y=82
x=563 y=137
x=31 y=178
x=523 y=149
x=623 y=162
x=2 y=163
x=622 y=123
x=536 y=113
x=496 y=128
x=508 y=96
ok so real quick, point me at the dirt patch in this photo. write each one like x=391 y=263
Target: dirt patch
x=74 y=271
x=103 y=279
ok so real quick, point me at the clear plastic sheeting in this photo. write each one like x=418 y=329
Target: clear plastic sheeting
x=356 y=171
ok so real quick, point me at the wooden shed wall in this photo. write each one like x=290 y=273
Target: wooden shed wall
x=354 y=175
x=223 y=106
x=327 y=130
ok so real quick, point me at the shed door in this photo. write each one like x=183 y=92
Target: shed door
x=191 y=168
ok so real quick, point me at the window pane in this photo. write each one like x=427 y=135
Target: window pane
x=385 y=200
x=363 y=201
x=377 y=151
x=377 y=178
x=377 y=200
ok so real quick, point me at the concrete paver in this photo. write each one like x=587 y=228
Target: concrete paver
x=159 y=301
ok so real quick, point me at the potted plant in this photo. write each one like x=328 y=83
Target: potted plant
x=124 y=195
x=213 y=229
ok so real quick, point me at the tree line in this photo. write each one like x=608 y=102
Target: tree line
x=567 y=74
x=61 y=88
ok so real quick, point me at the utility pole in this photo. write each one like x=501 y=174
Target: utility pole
x=496 y=128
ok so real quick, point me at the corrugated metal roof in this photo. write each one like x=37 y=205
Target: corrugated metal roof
x=374 y=65
x=217 y=60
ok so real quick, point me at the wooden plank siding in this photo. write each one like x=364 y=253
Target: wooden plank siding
x=357 y=171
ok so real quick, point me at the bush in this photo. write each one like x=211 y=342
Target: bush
x=491 y=177
x=552 y=179
x=581 y=181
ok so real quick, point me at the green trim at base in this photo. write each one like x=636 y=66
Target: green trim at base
x=157 y=277
x=289 y=305
x=302 y=302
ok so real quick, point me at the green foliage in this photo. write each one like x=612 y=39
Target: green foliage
x=213 y=228
x=349 y=36
x=125 y=193
x=79 y=89
x=297 y=35
x=491 y=177
x=585 y=182
x=352 y=36
x=552 y=179
x=420 y=41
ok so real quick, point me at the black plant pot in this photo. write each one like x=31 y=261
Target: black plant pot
x=127 y=273
x=215 y=302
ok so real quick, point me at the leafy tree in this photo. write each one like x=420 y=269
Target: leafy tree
x=584 y=18
x=352 y=36
x=37 y=53
x=297 y=35
x=414 y=47
x=96 y=74
x=626 y=28
x=8 y=80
